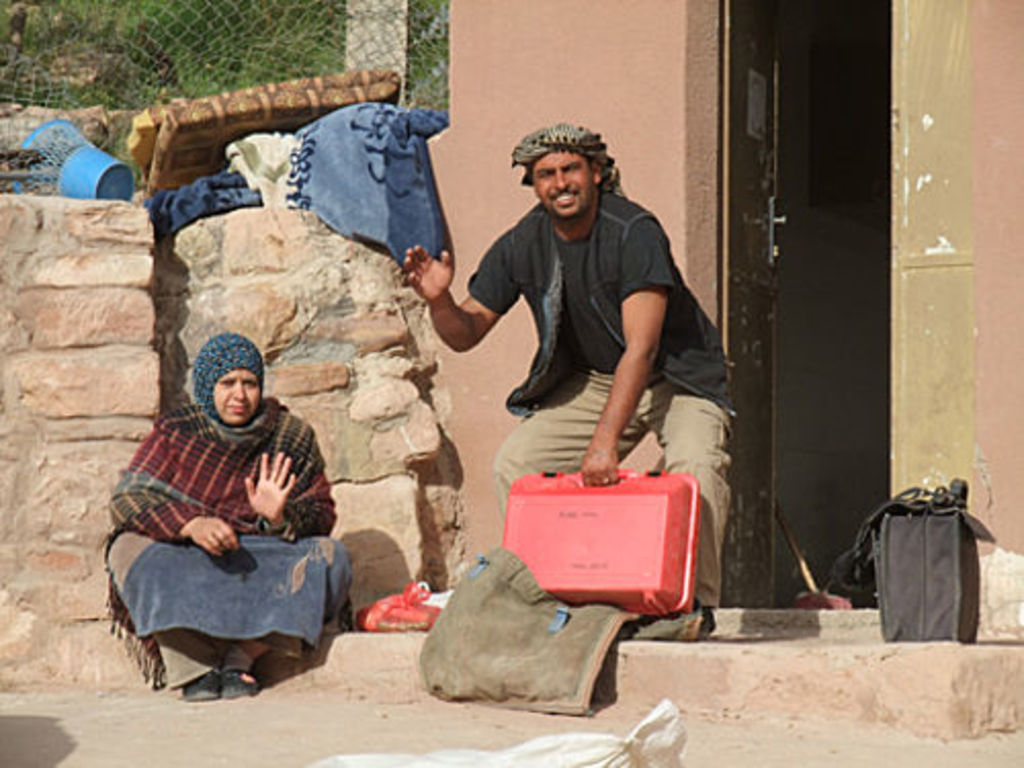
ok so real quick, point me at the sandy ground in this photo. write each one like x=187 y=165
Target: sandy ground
x=284 y=728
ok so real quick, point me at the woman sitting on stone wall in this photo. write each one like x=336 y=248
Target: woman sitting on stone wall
x=220 y=549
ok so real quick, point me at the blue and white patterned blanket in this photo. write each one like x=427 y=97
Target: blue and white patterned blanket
x=365 y=171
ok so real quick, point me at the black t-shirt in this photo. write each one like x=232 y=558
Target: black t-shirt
x=646 y=263
x=590 y=345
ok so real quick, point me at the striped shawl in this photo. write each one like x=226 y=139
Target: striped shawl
x=187 y=468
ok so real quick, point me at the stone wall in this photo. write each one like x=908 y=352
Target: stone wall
x=97 y=327
x=78 y=390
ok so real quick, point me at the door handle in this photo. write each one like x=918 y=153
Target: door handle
x=774 y=220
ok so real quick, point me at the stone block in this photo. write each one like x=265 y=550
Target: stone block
x=17 y=630
x=413 y=438
x=107 y=227
x=445 y=504
x=61 y=601
x=197 y=246
x=82 y=653
x=124 y=428
x=66 y=500
x=936 y=690
x=204 y=314
x=10 y=560
x=369 y=332
x=57 y=563
x=21 y=221
x=443 y=548
x=259 y=240
x=344 y=444
x=14 y=447
x=80 y=317
x=129 y=270
x=110 y=381
x=383 y=365
x=263 y=312
x=374 y=278
x=382 y=399
x=377 y=523
x=13 y=336
x=356 y=662
x=307 y=378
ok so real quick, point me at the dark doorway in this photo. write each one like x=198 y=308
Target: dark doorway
x=832 y=355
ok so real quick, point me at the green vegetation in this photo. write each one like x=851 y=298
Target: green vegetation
x=428 y=53
x=127 y=54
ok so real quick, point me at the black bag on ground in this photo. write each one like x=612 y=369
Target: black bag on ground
x=919 y=552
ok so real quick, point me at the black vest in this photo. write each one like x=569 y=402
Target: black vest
x=690 y=353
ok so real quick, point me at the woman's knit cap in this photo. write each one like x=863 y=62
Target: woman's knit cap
x=221 y=355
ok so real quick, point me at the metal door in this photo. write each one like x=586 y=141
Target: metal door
x=750 y=219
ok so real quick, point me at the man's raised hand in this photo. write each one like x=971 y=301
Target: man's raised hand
x=430 y=278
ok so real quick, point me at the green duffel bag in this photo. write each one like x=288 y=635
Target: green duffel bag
x=503 y=640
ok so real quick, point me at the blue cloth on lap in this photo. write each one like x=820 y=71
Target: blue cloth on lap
x=365 y=171
x=267 y=585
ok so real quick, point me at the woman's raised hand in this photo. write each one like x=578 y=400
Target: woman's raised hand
x=269 y=490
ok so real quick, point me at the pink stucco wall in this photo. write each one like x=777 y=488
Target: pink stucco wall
x=645 y=75
x=998 y=185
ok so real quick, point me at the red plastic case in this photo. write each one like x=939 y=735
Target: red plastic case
x=633 y=544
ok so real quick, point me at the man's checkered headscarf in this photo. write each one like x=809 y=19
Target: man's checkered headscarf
x=564 y=137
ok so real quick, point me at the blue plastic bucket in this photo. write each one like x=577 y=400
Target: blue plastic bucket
x=73 y=166
x=57 y=137
x=93 y=174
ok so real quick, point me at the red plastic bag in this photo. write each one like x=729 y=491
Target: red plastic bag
x=406 y=612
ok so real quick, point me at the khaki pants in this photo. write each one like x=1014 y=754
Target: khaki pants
x=691 y=430
x=188 y=654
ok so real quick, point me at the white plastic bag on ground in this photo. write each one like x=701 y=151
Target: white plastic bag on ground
x=658 y=741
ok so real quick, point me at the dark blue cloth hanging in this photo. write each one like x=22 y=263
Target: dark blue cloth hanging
x=173 y=209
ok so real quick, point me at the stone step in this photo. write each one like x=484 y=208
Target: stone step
x=943 y=690
x=798 y=664
x=853 y=626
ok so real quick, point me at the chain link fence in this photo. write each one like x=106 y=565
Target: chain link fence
x=130 y=54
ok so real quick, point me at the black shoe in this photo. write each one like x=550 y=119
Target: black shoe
x=707 y=622
x=205 y=688
x=346 y=619
x=235 y=684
